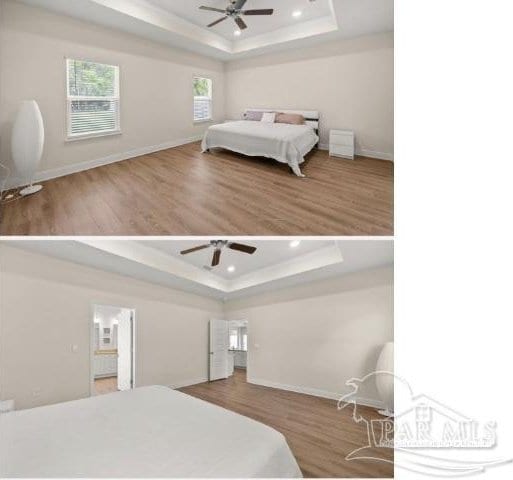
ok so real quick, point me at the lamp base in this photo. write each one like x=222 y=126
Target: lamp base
x=30 y=190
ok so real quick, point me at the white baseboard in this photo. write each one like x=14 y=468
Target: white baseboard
x=116 y=157
x=187 y=383
x=119 y=157
x=368 y=402
x=365 y=153
x=373 y=154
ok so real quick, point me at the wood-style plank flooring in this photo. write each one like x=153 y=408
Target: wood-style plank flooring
x=182 y=191
x=319 y=435
x=105 y=385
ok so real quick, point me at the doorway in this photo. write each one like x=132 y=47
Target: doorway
x=238 y=344
x=228 y=348
x=112 y=349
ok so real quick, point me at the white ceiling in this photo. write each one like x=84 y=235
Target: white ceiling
x=267 y=253
x=275 y=265
x=179 y=23
x=282 y=16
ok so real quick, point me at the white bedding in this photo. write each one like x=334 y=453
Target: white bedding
x=146 y=432
x=280 y=141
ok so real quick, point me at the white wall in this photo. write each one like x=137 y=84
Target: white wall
x=313 y=338
x=351 y=82
x=155 y=84
x=3 y=171
x=46 y=307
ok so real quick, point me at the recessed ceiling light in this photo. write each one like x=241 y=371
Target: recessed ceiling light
x=294 y=243
x=231 y=269
x=237 y=33
x=297 y=13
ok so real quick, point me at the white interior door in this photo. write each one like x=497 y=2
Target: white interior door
x=218 y=349
x=125 y=351
x=96 y=337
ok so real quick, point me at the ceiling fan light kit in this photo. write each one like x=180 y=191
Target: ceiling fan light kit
x=234 y=10
x=218 y=246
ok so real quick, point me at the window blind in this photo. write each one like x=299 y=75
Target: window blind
x=202 y=99
x=93 y=98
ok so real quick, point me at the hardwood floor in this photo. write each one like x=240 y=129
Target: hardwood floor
x=105 y=385
x=181 y=191
x=319 y=435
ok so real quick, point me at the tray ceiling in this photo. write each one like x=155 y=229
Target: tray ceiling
x=180 y=23
x=257 y=25
x=274 y=265
x=268 y=253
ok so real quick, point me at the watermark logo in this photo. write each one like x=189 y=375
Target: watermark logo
x=427 y=436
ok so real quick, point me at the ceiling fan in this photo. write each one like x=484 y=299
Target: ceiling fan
x=218 y=245
x=234 y=10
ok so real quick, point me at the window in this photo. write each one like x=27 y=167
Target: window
x=93 y=99
x=238 y=338
x=202 y=88
x=234 y=339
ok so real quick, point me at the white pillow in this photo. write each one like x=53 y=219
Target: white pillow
x=268 y=117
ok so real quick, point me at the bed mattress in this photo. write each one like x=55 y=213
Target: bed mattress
x=146 y=432
x=280 y=141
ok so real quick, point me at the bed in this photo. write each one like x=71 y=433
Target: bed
x=146 y=432
x=283 y=142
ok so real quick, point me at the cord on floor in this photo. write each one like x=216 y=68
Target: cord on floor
x=10 y=196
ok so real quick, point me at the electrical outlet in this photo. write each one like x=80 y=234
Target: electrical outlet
x=36 y=392
x=74 y=348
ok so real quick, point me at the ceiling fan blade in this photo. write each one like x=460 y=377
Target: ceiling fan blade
x=217 y=21
x=216 y=257
x=263 y=11
x=194 y=249
x=210 y=9
x=238 y=4
x=242 y=248
x=240 y=23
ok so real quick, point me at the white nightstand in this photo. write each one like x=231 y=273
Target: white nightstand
x=342 y=143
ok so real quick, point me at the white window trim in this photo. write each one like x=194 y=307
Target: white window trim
x=85 y=136
x=69 y=98
x=211 y=98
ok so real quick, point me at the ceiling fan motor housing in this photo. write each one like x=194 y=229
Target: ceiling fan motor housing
x=235 y=11
x=218 y=244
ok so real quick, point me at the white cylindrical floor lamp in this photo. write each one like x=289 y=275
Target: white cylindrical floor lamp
x=385 y=380
x=27 y=140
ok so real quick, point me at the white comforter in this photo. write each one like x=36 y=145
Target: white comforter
x=283 y=142
x=146 y=432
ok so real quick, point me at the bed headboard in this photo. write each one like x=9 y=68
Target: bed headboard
x=312 y=117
